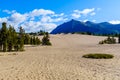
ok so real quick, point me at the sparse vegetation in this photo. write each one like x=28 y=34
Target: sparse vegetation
x=10 y=40
x=98 y=56
x=84 y=33
x=39 y=33
x=109 y=40
x=46 y=40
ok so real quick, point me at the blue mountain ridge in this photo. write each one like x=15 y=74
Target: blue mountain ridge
x=91 y=27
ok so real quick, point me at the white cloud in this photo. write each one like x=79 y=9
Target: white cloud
x=58 y=15
x=9 y=12
x=93 y=20
x=85 y=12
x=49 y=26
x=85 y=20
x=93 y=13
x=41 y=19
x=98 y=9
x=38 y=12
x=59 y=19
x=33 y=26
x=34 y=20
x=3 y=19
x=18 y=18
x=115 y=22
x=76 y=15
x=46 y=19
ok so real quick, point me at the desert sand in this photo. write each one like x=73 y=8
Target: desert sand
x=62 y=61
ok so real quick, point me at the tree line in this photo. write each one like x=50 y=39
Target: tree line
x=10 y=40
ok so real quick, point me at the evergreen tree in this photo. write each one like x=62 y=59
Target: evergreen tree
x=4 y=36
x=34 y=40
x=17 y=43
x=41 y=32
x=109 y=40
x=119 y=38
x=47 y=35
x=31 y=40
x=16 y=46
x=0 y=40
x=15 y=40
x=46 y=40
x=21 y=39
x=27 y=39
x=113 y=40
x=38 y=42
x=10 y=38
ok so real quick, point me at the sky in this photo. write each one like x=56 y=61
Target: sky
x=36 y=15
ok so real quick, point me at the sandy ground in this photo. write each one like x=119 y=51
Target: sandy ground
x=62 y=61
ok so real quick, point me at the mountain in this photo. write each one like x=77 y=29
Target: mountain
x=91 y=27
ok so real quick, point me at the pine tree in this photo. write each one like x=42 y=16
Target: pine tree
x=113 y=40
x=4 y=36
x=119 y=38
x=10 y=38
x=47 y=35
x=34 y=40
x=31 y=40
x=38 y=42
x=16 y=46
x=21 y=39
x=15 y=40
x=0 y=40
x=27 y=39
x=46 y=40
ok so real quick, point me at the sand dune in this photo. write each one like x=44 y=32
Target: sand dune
x=62 y=61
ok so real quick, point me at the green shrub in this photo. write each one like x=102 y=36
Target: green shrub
x=109 y=40
x=98 y=56
x=46 y=40
x=101 y=42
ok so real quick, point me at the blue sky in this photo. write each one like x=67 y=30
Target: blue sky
x=34 y=15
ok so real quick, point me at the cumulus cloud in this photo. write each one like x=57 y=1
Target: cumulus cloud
x=3 y=19
x=46 y=19
x=56 y=15
x=38 y=12
x=76 y=15
x=115 y=22
x=85 y=12
x=9 y=12
x=93 y=13
x=17 y=18
x=34 y=20
x=93 y=20
x=36 y=26
x=41 y=19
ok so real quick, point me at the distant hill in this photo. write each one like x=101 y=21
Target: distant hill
x=74 y=26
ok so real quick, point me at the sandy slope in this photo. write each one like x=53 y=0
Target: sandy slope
x=62 y=61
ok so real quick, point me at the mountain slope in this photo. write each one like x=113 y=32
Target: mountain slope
x=95 y=28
